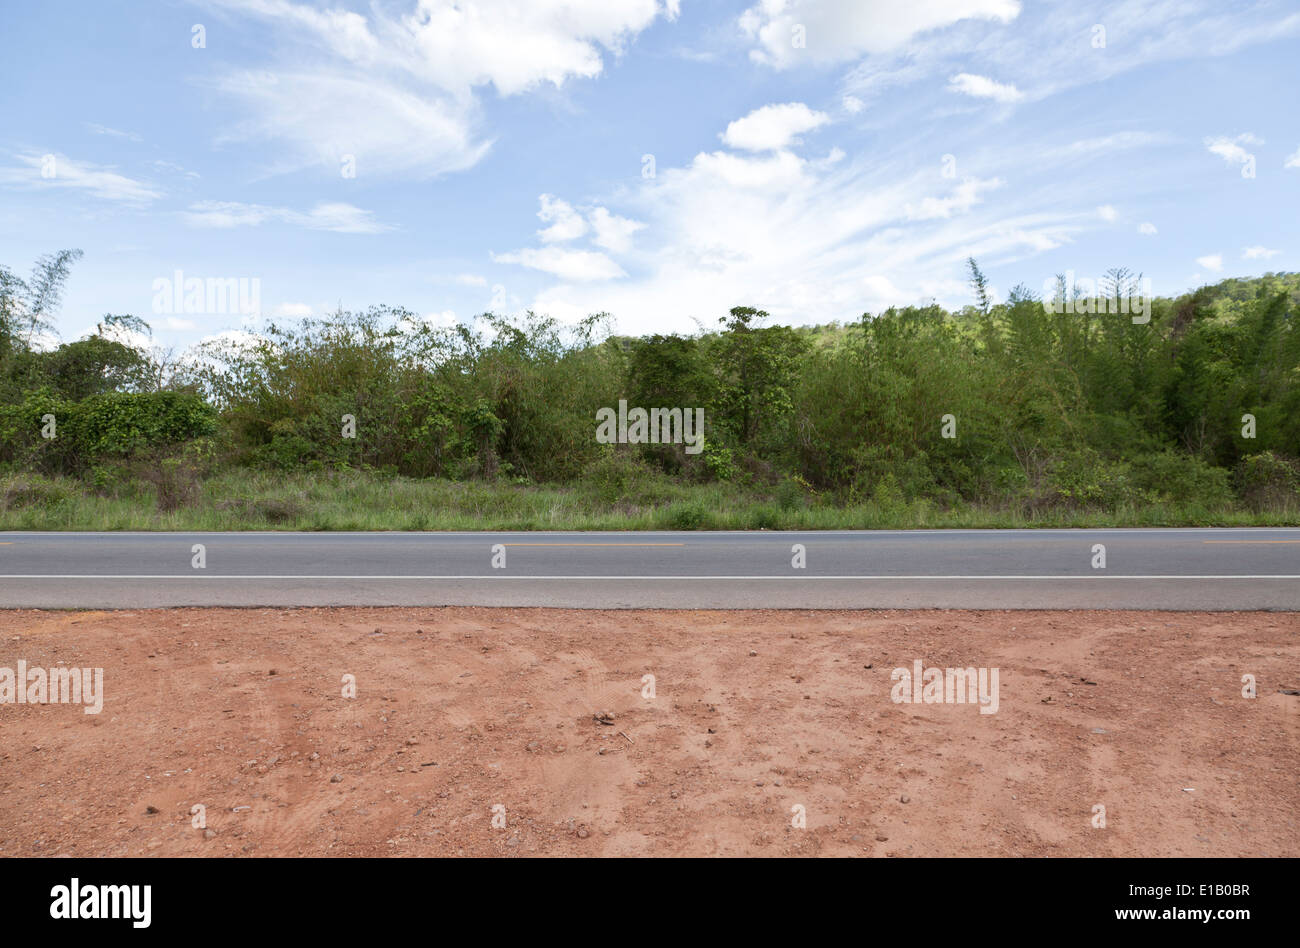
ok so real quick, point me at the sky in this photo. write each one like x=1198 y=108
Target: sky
x=658 y=160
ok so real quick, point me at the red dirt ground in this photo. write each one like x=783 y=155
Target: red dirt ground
x=458 y=710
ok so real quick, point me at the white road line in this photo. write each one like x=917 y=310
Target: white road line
x=215 y=576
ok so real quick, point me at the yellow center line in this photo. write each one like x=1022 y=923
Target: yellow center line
x=1250 y=541
x=593 y=544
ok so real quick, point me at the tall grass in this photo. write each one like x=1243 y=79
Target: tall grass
x=251 y=500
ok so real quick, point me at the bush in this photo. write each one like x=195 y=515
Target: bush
x=622 y=476
x=1267 y=482
x=20 y=491
x=177 y=477
x=1171 y=477
x=688 y=517
x=790 y=495
x=1082 y=479
x=118 y=424
x=719 y=462
x=22 y=444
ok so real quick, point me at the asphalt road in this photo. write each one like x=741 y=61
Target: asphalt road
x=1201 y=569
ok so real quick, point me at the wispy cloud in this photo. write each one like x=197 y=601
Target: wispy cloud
x=59 y=172
x=982 y=87
x=578 y=266
x=336 y=216
x=399 y=92
x=98 y=129
x=1031 y=51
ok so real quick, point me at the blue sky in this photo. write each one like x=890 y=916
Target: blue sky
x=814 y=158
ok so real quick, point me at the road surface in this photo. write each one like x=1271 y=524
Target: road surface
x=1196 y=569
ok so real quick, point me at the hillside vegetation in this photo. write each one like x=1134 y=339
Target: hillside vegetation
x=999 y=414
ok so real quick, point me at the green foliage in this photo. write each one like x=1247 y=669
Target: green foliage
x=121 y=424
x=1007 y=406
x=1266 y=481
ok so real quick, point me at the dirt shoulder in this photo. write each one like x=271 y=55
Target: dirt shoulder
x=753 y=713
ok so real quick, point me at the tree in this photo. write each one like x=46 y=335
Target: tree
x=27 y=305
x=980 y=284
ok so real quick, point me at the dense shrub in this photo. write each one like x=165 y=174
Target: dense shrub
x=1267 y=481
x=1007 y=405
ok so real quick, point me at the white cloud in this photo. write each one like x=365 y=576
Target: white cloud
x=579 y=266
x=612 y=232
x=608 y=231
x=398 y=91
x=775 y=171
x=982 y=87
x=853 y=105
x=58 y=171
x=1108 y=213
x=806 y=240
x=1030 y=51
x=1147 y=228
x=1086 y=148
x=1230 y=149
x=1259 y=253
x=773 y=127
x=839 y=30
x=458 y=279
x=171 y=167
x=325 y=116
x=1212 y=262
x=335 y=216
x=566 y=223
x=291 y=310
x=962 y=198
x=440 y=320
x=132 y=338
x=1293 y=160
x=98 y=129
